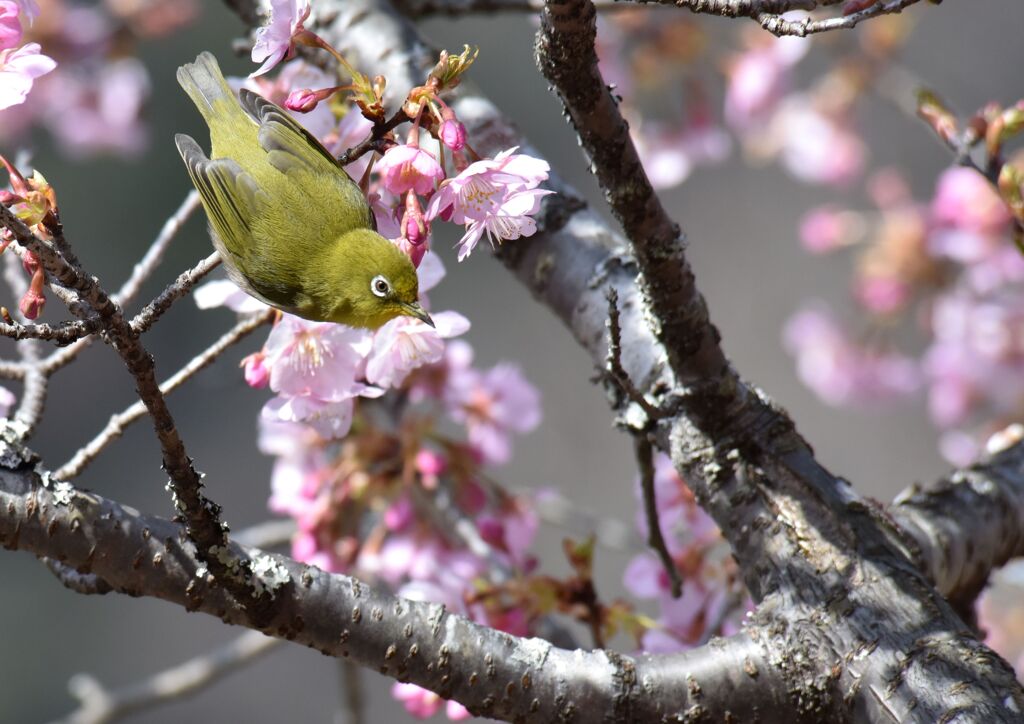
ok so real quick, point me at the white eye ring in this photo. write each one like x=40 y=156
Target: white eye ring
x=379 y=286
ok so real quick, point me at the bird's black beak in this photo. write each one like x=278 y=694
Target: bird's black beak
x=415 y=310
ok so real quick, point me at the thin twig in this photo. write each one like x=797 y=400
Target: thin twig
x=179 y=288
x=35 y=382
x=128 y=291
x=614 y=360
x=131 y=287
x=118 y=423
x=374 y=140
x=353 y=697
x=100 y=705
x=777 y=25
x=655 y=539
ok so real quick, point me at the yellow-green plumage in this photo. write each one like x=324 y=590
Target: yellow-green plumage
x=292 y=227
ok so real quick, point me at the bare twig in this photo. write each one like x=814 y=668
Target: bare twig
x=614 y=362
x=374 y=141
x=35 y=382
x=179 y=288
x=119 y=422
x=100 y=705
x=777 y=25
x=655 y=539
x=132 y=285
x=353 y=697
x=141 y=272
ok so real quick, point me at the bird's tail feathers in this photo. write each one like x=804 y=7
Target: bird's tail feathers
x=205 y=84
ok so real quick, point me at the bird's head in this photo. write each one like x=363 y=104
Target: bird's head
x=378 y=280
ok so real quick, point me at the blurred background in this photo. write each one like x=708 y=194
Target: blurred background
x=741 y=220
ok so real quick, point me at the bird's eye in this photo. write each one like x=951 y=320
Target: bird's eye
x=380 y=286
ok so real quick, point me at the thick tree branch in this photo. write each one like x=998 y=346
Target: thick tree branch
x=492 y=673
x=969 y=524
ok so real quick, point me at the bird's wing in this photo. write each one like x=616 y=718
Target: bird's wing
x=232 y=200
x=291 y=149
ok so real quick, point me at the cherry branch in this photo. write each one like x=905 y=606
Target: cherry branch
x=491 y=672
x=201 y=515
x=118 y=423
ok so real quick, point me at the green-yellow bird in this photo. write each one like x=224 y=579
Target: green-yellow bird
x=293 y=229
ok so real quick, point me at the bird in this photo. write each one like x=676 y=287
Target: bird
x=292 y=228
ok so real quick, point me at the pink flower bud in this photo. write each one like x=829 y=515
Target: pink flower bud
x=429 y=462
x=10 y=26
x=31 y=305
x=302 y=101
x=453 y=135
x=255 y=370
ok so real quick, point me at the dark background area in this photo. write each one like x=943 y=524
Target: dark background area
x=741 y=223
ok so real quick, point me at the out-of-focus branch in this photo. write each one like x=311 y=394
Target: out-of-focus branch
x=100 y=705
x=493 y=673
x=118 y=423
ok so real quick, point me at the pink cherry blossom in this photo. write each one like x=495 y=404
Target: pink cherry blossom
x=418 y=702
x=816 y=147
x=255 y=371
x=313 y=369
x=10 y=25
x=828 y=228
x=274 y=40
x=496 y=196
x=404 y=344
x=840 y=371
x=492 y=405
x=18 y=70
x=225 y=293
x=100 y=111
x=409 y=168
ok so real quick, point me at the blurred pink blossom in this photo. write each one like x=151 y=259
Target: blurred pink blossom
x=274 y=40
x=669 y=155
x=18 y=70
x=758 y=80
x=828 y=228
x=100 y=110
x=225 y=293
x=418 y=702
x=971 y=222
x=10 y=25
x=7 y=400
x=815 y=147
x=492 y=405
x=841 y=371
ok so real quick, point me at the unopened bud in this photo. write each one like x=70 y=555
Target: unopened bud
x=453 y=135
x=302 y=101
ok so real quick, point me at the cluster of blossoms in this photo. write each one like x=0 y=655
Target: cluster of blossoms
x=713 y=599
x=645 y=55
x=86 y=89
x=953 y=262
